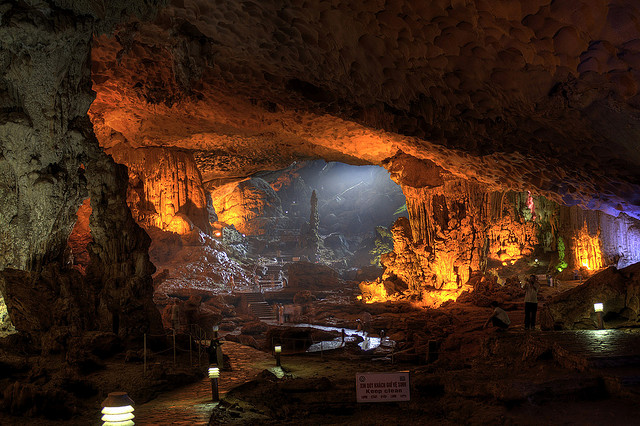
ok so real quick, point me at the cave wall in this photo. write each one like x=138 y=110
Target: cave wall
x=595 y=239
x=50 y=162
x=519 y=94
x=251 y=205
x=165 y=188
x=461 y=227
x=455 y=229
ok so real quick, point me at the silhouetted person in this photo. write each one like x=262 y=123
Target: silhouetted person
x=531 y=288
x=215 y=353
x=175 y=315
x=498 y=318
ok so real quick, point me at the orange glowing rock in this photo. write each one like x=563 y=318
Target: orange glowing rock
x=373 y=292
x=587 y=250
x=435 y=298
x=165 y=189
x=80 y=238
x=251 y=205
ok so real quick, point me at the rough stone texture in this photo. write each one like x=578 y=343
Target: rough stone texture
x=80 y=238
x=49 y=306
x=617 y=290
x=119 y=269
x=616 y=238
x=194 y=263
x=49 y=162
x=307 y=275
x=250 y=205
x=44 y=86
x=539 y=95
x=164 y=187
x=455 y=229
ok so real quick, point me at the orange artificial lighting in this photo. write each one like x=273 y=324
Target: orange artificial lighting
x=373 y=292
x=435 y=298
x=587 y=250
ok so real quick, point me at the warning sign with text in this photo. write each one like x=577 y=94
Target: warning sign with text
x=382 y=387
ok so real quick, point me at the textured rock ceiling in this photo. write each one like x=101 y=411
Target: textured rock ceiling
x=522 y=94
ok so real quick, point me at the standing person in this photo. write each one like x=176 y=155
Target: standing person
x=531 y=288
x=498 y=318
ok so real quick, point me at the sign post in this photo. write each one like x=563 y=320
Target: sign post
x=383 y=387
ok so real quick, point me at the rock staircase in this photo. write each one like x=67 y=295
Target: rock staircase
x=272 y=278
x=259 y=308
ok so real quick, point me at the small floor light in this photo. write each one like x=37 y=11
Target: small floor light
x=117 y=410
x=599 y=307
x=214 y=374
x=278 y=350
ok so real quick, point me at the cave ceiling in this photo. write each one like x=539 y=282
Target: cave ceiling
x=535 y=94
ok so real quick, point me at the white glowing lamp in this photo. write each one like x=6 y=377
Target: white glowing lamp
x=117 y=410
x=278 y=349
x=598 y=307
x=214 y=372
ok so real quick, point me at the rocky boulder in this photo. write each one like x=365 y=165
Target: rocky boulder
x=250 y=205
x=617 y=290
x=313 y=276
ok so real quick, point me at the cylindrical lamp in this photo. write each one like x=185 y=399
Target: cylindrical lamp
x=117 y=410
x=277 y=350
x=599 y=307
x=214 y=373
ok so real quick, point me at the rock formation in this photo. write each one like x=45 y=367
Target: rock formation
x=535 y=95
x=250 y=205
x=464 y=101
x=165 y=189
x=50 y=161
x=309 y=238
x=617 y=290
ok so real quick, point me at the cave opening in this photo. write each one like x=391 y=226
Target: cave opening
x=314 y=225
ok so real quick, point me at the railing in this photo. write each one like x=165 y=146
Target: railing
x=196 y=335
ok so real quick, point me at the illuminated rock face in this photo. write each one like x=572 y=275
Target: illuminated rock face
x=518 y=95
x=617 y=290
x=165 y=189
x=251 y=205
x=484 y=90
x=453 y=230
x=596 y=239
x=80 y=238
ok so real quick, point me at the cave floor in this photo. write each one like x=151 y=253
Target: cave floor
x=513 y=377
x=192 y=404
x=581 y=377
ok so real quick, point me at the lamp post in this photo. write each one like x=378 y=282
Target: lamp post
x=117 y=410
x=599 y=307
x=214 y=373
x=277 y=350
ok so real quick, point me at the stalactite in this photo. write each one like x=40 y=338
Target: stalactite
x=173 y=195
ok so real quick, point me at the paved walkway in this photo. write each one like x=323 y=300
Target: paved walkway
x=191 y=404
